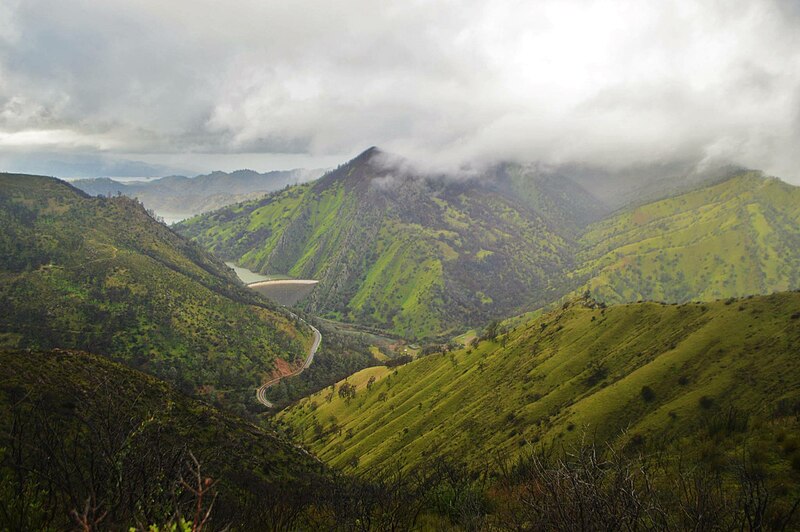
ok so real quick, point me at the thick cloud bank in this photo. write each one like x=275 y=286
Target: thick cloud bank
x=610 y=83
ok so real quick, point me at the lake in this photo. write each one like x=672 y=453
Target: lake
x=278 y=288
x=246 y=275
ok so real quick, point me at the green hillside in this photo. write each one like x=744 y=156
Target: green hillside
x=635 y=374
x=425 y=256
x=100 y=274
x=416 y=255
x=734 y=238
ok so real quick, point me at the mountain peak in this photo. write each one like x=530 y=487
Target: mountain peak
x=358 y=171
x=367 y=155
x=372 y=150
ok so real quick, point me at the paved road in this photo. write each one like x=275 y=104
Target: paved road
x=262 y=390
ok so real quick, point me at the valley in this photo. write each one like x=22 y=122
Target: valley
x=261 y=390
x=400 y=267
x=99 y=274
x=635 y=333
x=437 y=268
x=400 y=252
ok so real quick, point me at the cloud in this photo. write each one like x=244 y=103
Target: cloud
x=611 y=83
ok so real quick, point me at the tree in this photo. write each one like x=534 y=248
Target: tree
x=347 y=391
x=492 y=330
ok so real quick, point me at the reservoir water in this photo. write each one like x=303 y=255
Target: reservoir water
x=280 y=289
x=246 y=275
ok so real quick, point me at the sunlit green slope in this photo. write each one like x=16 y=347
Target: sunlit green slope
x=659 y=372
x=416 y=255
x=738 y=237
x=100 y=274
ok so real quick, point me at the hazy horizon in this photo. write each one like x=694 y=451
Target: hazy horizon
x=92 y=89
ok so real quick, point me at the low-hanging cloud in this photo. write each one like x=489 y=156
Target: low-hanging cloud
x=609 y=83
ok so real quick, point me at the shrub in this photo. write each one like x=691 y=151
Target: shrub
x=398 y=361
x=647 y=393
x=597 y=372
x=790 y=446
x=706 y=402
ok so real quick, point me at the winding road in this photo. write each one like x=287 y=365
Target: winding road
x=262 y=390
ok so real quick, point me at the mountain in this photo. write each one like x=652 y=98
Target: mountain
x=556 y=196
x=181 y=197
x=400 y=249
x=424 y=255
x=80 y=433
x=696 y=380
x=100 y=274
x=737 y=237
x=628 y=187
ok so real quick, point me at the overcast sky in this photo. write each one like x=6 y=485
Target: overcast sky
x=127 y=87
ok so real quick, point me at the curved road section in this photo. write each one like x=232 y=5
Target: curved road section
x=262 y=390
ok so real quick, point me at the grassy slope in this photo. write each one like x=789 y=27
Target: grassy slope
x=568 y=371
x=109 y=416
x=100 y=274
x=416 y=257
x=734 y=238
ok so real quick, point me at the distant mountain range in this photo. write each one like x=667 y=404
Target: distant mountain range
x=424 y=254
x=177 y=197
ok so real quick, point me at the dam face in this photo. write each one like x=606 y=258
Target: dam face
x=287 y=292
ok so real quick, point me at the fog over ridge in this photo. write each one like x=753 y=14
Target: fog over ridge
x=604 y=83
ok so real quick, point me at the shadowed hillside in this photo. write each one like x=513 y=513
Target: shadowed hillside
x=81 y=433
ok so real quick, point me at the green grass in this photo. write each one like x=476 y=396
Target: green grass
x=577 y=370
x=732 y=239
